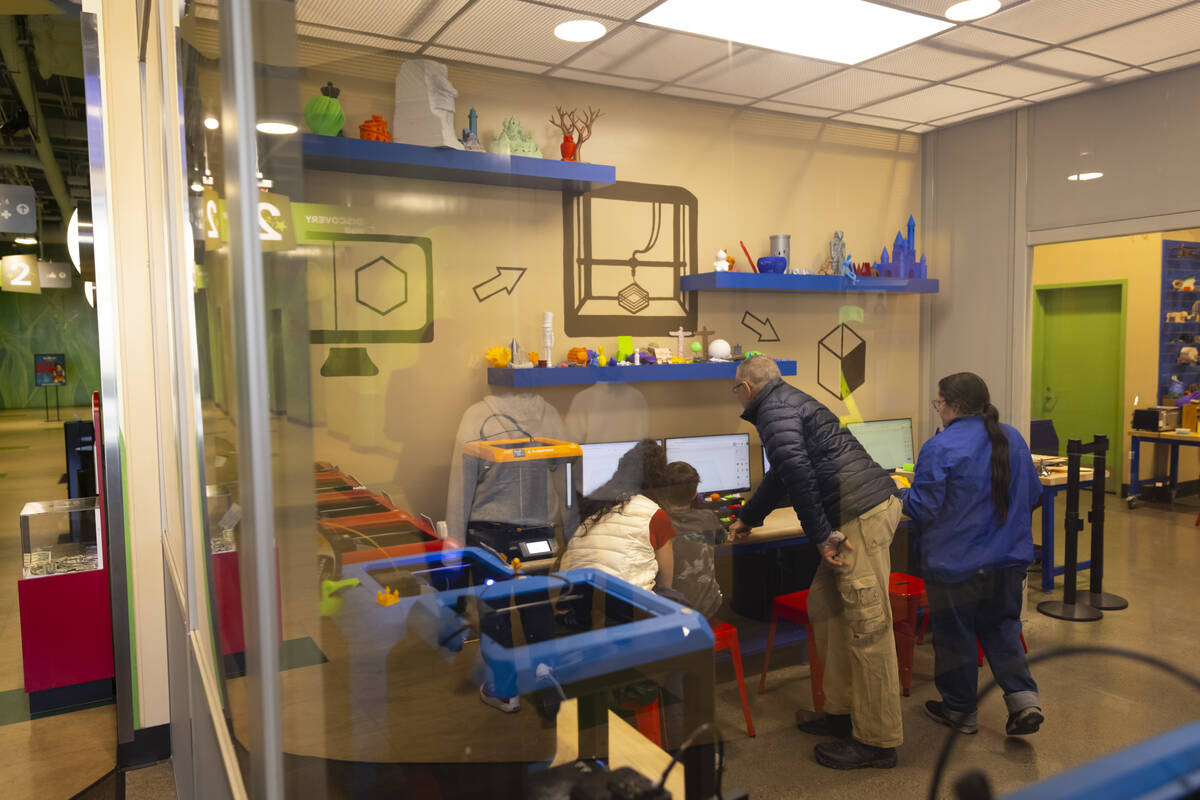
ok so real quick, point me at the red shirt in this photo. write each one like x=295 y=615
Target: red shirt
x=661 y=529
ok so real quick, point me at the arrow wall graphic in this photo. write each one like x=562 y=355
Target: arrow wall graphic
x=764 y=329
x=505 y=280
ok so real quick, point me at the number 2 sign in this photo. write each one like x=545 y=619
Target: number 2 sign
x=20 y=274
x=274 y=221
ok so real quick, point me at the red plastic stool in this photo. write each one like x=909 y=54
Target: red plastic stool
x=907 y=596
x=979 y=647
x=794 y=608
x=647 y=719
x=726 y=638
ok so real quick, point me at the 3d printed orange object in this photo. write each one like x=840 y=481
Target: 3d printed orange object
x=577 y=355
x=375 y=129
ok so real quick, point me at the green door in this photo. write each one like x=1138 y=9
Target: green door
x=1079 y=365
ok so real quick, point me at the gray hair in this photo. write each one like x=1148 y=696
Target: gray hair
x=758 y=371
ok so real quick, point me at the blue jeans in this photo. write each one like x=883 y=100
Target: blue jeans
x=985 y=607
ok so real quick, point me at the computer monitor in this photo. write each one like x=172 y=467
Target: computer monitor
x=600 y=461
x=723 y=461
x=888 y=441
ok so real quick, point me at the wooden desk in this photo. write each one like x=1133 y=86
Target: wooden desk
x=1172 y=440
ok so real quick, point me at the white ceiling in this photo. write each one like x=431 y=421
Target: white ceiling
x=1029 y=51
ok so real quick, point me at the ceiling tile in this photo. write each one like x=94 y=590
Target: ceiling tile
x=447 y=54
x=1012 y=80
x=597 y=77
x=932 y=103
x=1130 y=74
x=1058 y=21
x=1062 y=91
x=701 y=94
x=758 y=73
x=1070 y=62
x=792 y=108
x=850 y=89
x=878 y=122
x=353 y=37
x=981 y=112
x=1149 y=40
x=620 y=9
x=1175 y=62
x=513 y=29
x=922 y=128
x=935 y=7
x=650 y=53
x=952 y=53
x=405 y=19
x=977 y=40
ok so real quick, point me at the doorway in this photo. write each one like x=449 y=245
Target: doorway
x=1079 y=363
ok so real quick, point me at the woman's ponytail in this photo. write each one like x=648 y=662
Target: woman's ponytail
x=1001 y=475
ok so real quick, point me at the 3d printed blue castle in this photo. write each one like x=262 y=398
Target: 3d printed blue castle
x=903 y=263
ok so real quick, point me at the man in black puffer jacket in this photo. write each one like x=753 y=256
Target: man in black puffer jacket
x=848 y=508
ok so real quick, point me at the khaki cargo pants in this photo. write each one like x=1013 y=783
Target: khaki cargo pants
x=852 y=623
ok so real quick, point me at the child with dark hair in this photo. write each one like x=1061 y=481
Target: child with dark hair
x=698 y=532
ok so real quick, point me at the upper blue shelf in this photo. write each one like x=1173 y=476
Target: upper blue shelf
x=343 y=154
x=709 y=281
x=582 y=376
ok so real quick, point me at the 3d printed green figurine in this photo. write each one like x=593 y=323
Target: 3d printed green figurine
x=513 y=140
x=323 y=114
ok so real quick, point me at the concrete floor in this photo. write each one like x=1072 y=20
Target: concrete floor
x=1093 y=705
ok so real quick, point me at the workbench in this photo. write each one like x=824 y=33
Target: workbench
x=1172 y=440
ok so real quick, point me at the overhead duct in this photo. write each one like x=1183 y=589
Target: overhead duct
x=18 y=68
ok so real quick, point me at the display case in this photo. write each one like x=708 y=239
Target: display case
x=66 y=624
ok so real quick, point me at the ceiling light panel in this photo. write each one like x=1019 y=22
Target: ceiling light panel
x=404 y=19
x=617 y=9
x=597 y=77
x=354 y=37
x=1149 y=40
x=849 y=89
x=792 y=108
x=485 y=60
x=1013 y=80
x=846 y=32
x=878 y=122
x=1175 y=62
x=1058 y=21
x=933 y=103
x=757 y=73
x=651 y=53
x=701 y=94
x=512 y=29
x=1071 y=62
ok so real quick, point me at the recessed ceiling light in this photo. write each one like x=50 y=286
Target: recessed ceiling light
x=276 y=128
x=846 y=32
x=197 y=187
x=580 y=30
x=212 y=123
x=25 y=240
x=972 y=9
x=1085 y=176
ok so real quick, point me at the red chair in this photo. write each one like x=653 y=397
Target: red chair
x=726 y=638
x=647 y=719
x=906 y=593
x=794 y=608
x=979 y=647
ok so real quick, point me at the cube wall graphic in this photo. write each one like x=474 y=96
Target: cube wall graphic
x=841 y=361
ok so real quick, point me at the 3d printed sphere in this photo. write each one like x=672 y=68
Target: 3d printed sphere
x=719 y=348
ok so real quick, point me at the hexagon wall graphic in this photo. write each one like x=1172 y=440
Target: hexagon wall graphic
x=633 y=298
x=381 y=286
x=841 y=361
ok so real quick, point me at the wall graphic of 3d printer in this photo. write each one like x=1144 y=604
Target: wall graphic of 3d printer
x=625 y=248
x=379 y=290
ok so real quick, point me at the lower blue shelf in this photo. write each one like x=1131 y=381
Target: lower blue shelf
x=583 y=376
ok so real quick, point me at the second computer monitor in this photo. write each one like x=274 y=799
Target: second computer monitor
x=723 y=462
x=600 y=462
x=889 y=442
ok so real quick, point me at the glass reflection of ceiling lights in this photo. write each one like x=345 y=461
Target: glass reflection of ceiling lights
x=845 y=32
x=580 y=30
x=276 y=127
x=969 y=10
x=212 y=123
x=26 y=240
x=1085 y=176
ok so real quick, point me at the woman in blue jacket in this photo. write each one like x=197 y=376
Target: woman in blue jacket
x=971 y=501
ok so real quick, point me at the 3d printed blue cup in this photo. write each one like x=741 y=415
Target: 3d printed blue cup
x=772 y=264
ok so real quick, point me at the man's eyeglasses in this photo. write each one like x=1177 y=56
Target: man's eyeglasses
x=937 y=404
x=738 y=385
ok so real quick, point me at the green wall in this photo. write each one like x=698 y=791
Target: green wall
x=55 y=321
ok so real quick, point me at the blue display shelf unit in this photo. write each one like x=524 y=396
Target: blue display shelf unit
x=583 y=376
x=343 y=154
x=772 y=282
x=1180 y=261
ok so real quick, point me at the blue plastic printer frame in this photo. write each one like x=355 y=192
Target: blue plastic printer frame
x=1166 y=767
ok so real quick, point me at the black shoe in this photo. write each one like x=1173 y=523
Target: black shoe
x=853 y=754
x=1024 y=722
x=835 y=726
x=961 y=721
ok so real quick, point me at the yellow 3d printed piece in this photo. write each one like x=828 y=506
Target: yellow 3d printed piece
x=387 y=597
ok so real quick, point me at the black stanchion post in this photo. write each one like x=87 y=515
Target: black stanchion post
x=1096 y=597
x=1068 y=608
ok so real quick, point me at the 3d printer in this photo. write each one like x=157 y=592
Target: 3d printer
x=510 y=489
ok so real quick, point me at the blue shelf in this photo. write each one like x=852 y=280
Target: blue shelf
x=583 y=376
x=715 y=281
x=342 y=154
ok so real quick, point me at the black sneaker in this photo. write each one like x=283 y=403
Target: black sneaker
x=961 y=721
x=853 y=754
x=835 y=726
x=1024 y=722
